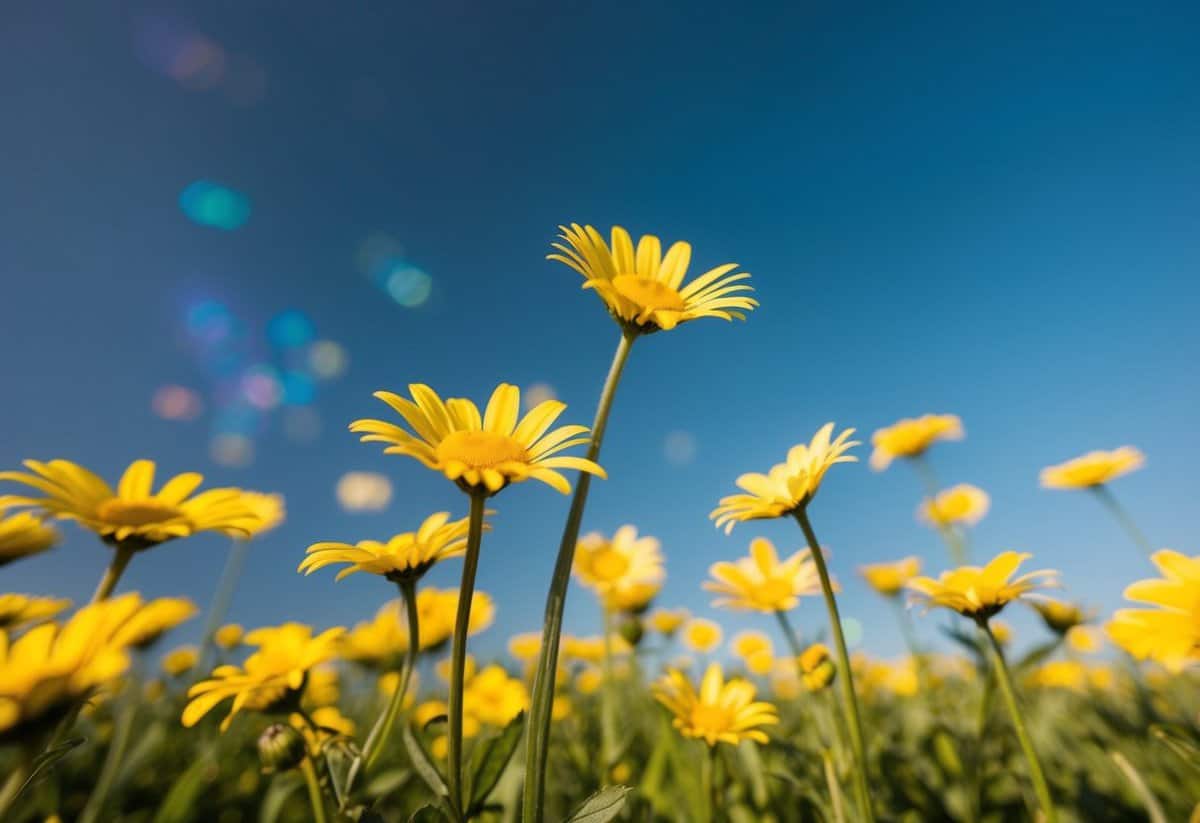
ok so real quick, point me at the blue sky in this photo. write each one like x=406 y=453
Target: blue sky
x=994 y=213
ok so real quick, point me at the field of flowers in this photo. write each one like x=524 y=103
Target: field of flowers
x=394 y=719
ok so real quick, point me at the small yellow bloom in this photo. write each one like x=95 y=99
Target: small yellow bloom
x=589 y=680
x=17 y=610
x=381 y=642
x=785 y=680
x=980 y=593
x=591 y=649
x=788 y=486
x=701 y=635
x=22 y=535
x=1093 y=469
x=481 y=452
x=667 y=621
x=1169 y=633
x=1059 y=674
x=404 y=557
x=760 y=582
x=1002 y=632
x=962 y=504
x=1084 y=639
x=229 y=636
x=493 y=697
x=181 y=660
x=626 y=570
x=761 y=662
x=889 y=579
x=561 y=708
x=269 y=511
x=895 y=678
x=1058 y=616
x=816 y=667
x=272 y=678
x=750 y=642
x=642 y=289
x=388 y=682
x=525 y=647
x=133 y=515
x=720 y=712
x=912 y=436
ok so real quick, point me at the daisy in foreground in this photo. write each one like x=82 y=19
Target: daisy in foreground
x=981 y=593
x=133 y=517
x=720 y=712
x=786 y=490
x=1168 y=633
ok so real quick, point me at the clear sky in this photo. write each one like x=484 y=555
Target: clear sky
x=991 y=211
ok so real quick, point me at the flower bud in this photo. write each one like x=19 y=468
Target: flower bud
x=280 y=748
x=632 y=631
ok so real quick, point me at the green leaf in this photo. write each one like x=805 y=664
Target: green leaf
x=277 y=794
x=490 y=759
x=423 y=765
x=601 y=807
x=1036 y=655
x=180 y=801
x=426 y=814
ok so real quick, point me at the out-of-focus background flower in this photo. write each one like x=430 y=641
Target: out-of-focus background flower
x=222 y=226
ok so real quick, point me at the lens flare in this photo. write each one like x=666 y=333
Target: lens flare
x=364 y=491
x=679 y=448
x=261 y=387
x=211 y=204
x=235 y=451
x=409 y=286
x=291 y=329
x=536 y=393
x=176 y=403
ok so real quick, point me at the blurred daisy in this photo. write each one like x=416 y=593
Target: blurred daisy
x=1169 y=632
x=22 y=535
x=788 y=486
x=912 y=436
x=405 y=557
x=961 y=505
x=229 y=636
x=1058 y=616
x=180 y=660
x=719 y=712
x=817 y=669
x=701 y=635
x=481 y=453
x=625 y=571
x=1092 y=469
x=761 y=582
x=889 y=579
x=667 y=621
x=269 y=511
x=642 y=288
x=750 y=642
x=17 y=610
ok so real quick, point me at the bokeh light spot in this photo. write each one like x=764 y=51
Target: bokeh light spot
x=261 y=387
x=364 y=491
x=299 y=389
x=536 y=393
x=679 y=448
x=328 y=359
x=290 y=329
x=232 y=450
x=301 y=424
x=213 y=205
x=209 y=322
x=409 y=286
x=176 y=403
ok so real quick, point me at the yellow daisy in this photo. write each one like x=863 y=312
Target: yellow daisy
x=133 y=516
x=269 y=511
x=181 y=660
x=139 y=623
x=642 y=289
x=481 y=453
x=437 y=610
x=525 y=647
x=761 y=582
x=701 y=635
x=817 y=669
x=22 y=535
x=1059 y=674
x=980 y=593
x=962 y=504
x=748 y=643
x=889 y=579
x=911 y=436
x=493 y=698
x=53 y=667
x=271 y=679
x=667 y=621
x=1168 y=633
x=625 y=571
x=720 y=712
x=405 y=557
x=229 y=636
x=1093 y=469
x=17 y=610
x=787 y=486
x=1058 y=616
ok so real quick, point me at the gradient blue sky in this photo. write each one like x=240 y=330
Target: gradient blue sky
x=992 y=211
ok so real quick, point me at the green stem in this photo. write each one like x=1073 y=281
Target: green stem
x=235 y=561
x=537 y=747
x=954 y=541
x=789 y=634
x=1004 y=678
x=113 y=760
x=708 y=783
x=458 y=651
x=1109 y=501
x=608 y=720
x=835 y=791
x=904 y=620
x=844 y=676
x=383 y=726
x=12 y=787
x=315 y=797
x=121 y=558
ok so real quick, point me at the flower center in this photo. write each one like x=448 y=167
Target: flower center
x=647 y=293
x=708 y=717
x=772 y=590
x=610 y=565
x=481 y=450
x=136 y=512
